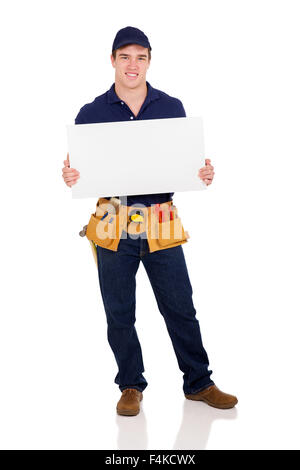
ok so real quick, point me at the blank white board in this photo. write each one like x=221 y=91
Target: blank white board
x=137 y=157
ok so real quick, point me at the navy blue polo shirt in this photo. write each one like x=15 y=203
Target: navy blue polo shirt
x=110 y=108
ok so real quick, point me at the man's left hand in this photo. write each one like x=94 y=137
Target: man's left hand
x=206 y=173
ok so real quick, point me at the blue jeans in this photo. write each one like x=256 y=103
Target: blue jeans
x=170 y=282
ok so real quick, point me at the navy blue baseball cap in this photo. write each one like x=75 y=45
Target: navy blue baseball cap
x=130 y=35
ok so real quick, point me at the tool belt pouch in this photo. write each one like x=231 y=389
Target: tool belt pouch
x=104 y=231
x=170 y=233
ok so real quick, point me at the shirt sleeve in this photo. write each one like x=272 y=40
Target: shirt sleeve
x=80 y=118
x=180 y=111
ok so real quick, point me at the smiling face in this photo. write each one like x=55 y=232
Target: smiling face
x=131 y=65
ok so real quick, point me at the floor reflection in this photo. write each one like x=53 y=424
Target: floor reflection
x=132 y=432
x=196 y=423
x=193 y=434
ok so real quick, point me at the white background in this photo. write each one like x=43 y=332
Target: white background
x=235 y=63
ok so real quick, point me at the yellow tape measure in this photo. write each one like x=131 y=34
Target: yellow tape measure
x=136 y=216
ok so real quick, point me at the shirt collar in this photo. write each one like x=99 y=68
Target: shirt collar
x=152 y=94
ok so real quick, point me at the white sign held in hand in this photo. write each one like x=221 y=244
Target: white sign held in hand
x=137 y=157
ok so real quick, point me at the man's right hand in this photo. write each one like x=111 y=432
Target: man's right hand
x=70 y=175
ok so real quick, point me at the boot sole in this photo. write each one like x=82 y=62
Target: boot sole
x=222 y=407
x=127 y=413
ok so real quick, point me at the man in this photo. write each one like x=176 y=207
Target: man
x=132 y=97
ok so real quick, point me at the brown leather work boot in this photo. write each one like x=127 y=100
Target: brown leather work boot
x=129 y=403
x=214 y=397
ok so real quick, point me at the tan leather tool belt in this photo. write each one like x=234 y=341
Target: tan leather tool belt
x=113 y=221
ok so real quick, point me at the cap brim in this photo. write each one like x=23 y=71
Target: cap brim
x=124 y=43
